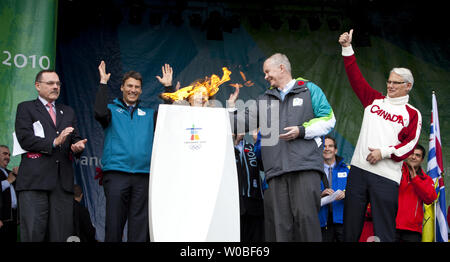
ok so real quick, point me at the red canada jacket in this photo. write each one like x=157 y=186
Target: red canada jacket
x=412 y=194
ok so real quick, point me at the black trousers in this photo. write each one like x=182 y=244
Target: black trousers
x=407 y=236
x=126 y=198
x=252 y=228
x=46 y=215
x=333 y=232
x=364 y=187
x=8 y=232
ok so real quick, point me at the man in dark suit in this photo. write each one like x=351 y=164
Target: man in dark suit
x=8 y=199
x=49 y=133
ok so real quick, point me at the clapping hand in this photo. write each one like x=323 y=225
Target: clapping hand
x=412 y=169
x=78 y=146
x=12 y=175
x=62 y=137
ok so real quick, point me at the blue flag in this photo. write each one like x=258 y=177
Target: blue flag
x=434 y=170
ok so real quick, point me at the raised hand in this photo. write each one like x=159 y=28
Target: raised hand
x=233 y=97
x=346 y=38
x=167 y=73
x=104 y=77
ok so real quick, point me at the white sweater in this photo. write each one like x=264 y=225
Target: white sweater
x=389 y=124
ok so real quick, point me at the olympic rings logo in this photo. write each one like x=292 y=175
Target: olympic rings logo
x=194 y=147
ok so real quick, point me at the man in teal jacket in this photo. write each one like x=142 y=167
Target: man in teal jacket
x=127 y=149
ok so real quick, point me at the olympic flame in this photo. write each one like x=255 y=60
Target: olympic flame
x=207 y=87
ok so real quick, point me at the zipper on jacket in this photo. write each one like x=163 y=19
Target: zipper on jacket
x=417 y=206
x=132 y=111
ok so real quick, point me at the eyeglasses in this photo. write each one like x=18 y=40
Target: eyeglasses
x=50 y=83
x=394 y=82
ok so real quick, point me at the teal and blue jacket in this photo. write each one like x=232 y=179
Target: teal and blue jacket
x=305 y=106
x=128 y=139
x=128 y=136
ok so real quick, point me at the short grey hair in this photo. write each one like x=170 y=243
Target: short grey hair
x=405 y=73
x=280 y=59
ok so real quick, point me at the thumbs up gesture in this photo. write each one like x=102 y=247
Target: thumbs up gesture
x=346 y=38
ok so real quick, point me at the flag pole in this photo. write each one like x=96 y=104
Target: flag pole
x=437 y=180
x=435 y=217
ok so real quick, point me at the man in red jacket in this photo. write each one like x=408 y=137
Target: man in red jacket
x=416 y=188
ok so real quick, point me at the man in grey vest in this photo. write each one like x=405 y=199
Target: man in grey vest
x=292 y=115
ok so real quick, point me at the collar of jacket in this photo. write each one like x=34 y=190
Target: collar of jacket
x=119 y=102
x=299 y=86
x=421 y=173
x=2 y=174
x=340 y=161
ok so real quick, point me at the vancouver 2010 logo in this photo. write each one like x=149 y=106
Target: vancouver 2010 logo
x=194 y=142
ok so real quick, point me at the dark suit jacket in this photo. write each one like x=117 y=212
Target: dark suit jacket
x=6 y=212
x=1 y=207
x=41 y=166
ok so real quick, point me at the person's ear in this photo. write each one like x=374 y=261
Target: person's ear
x=409 y=87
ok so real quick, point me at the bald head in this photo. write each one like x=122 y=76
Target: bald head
x=277 y=70
x=278 y=59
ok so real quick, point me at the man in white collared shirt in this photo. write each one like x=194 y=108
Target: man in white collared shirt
x=48 y=131
x=8 y=211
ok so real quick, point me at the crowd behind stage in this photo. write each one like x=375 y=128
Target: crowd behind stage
x=298 y=190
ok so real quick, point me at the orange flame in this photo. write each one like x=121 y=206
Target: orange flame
x=207 y=87
x=248 y=83
x=243 y=75
x=236 y=85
